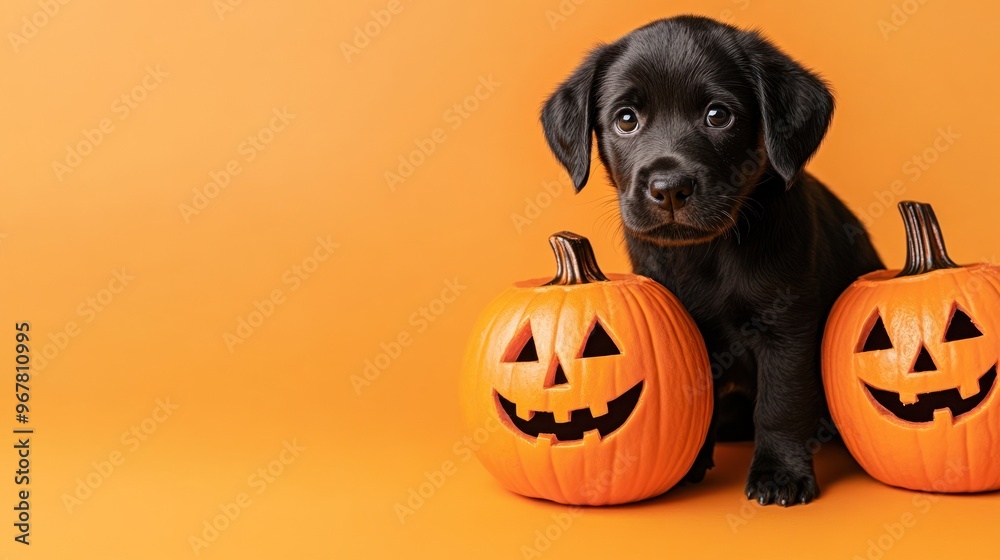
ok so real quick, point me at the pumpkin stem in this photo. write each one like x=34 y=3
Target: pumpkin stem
x=925 y=250
x=575 y=261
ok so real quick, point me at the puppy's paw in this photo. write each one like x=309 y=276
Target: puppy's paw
x=771 y=482
x=697 y=471
x=696 y=474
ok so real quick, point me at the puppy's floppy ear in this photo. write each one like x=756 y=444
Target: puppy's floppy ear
x=795 y=106
x=568 y=117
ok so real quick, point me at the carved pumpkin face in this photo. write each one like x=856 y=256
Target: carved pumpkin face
x=600 y=387
x=535 y=414
x=910 y=366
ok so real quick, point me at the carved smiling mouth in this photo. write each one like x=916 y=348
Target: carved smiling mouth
x=923 y=410
x=580 y=421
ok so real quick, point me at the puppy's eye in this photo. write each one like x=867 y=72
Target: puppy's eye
x=626 y=121
x=718 y=116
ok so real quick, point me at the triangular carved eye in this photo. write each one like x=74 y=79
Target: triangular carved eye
x=960 y=326
x=522 y=348
x=877 y=337
x=599 y=343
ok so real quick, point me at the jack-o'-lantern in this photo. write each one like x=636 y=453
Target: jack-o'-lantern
x=910 y=365
x=598 y=387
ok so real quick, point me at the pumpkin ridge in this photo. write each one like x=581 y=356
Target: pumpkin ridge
x=630 y=301
x=483 y=353
x=693 y=445
x=548 y=402
x=510 y=380
x=555 y=352
x=657 y=361
x=683 y=357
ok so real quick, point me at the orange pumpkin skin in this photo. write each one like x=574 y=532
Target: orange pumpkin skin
x=660 y=347
x=943 y=454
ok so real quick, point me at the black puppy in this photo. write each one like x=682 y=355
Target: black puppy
x=704 y=130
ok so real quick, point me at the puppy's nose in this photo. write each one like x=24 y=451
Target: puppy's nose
x=670 y=190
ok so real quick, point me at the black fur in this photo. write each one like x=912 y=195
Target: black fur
x=757 y=249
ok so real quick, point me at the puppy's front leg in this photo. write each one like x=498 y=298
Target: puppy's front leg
x=786 y=415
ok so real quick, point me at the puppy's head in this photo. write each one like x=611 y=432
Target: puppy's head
x=690 y=114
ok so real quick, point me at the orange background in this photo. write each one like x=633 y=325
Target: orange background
x=222 y=74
